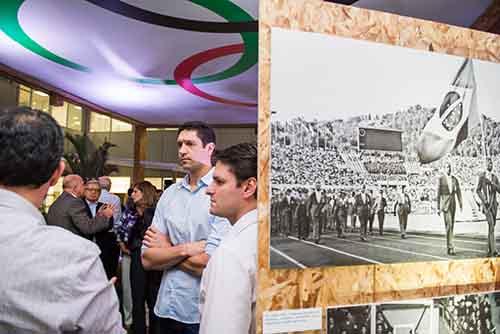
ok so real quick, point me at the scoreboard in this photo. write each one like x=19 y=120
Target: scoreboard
x=380 y=139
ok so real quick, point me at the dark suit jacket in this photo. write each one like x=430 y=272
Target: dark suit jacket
x=98 y=235
x=446 y=199
x=313 y=206
x=400 y=207
x=363 y=209
x=71 y=213
x=341 y=208
x=488 y=196
x=376 y=208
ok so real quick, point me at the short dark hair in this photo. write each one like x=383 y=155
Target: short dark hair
x=32 y=145
x=203 y=131
x=241 y=159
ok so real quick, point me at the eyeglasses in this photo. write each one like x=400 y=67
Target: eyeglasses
x=93 y=190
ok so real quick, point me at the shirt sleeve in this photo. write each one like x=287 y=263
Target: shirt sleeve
x=117 y=212
x=218 y=228
x=221 y=299
x=159 y=218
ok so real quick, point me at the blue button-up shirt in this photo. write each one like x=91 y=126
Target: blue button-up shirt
x=183 y=215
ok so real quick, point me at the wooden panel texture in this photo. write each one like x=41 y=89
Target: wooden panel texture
x=330 y=286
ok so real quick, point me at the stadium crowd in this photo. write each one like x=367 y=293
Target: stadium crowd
x=302 y=145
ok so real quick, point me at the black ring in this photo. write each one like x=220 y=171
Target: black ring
x=139 y=14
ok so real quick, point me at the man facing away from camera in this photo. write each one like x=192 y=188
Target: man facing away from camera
x=52 y=280
x=227 y=295
x=184 y=234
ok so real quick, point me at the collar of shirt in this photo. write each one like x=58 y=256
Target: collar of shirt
x=204 y=181
x=10 y=199
x=245 y=221
x=92 y=207
x=103 y=195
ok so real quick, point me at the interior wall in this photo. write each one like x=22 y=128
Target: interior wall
x=332 y=286
x=8 y=93
x=162 y=144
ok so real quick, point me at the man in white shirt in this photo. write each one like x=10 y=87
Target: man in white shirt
x=108 y=198
x=183 y=234
x=52 y=280
x=227 y=294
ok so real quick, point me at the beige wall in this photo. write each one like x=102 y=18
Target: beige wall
x=8 y=93
x=162 y=144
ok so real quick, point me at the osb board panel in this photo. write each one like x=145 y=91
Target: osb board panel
x=322 y=287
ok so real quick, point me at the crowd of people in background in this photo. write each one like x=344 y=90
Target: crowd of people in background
x=168 y=248
x=345 y=167
x=309 y=213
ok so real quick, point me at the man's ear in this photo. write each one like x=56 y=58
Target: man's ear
x=57 y=173
x=250 y=188
x=210 y=147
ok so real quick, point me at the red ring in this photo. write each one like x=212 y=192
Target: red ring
x=184 y=71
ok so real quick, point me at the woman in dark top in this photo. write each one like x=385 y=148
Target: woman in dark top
x=144 y=284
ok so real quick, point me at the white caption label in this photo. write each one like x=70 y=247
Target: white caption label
x=292 y=320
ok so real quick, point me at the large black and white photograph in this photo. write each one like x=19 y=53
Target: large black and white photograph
x=349 y=320
x=380 y=154
x=469 y=314
x=458 y=314
x=414 y=317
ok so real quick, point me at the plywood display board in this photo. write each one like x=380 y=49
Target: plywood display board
x=335 y=53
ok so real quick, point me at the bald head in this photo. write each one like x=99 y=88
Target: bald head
x=73 y=184
x=105 y=182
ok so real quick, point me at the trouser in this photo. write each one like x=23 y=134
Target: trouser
x=278 y=224
x=491 y=219
x=353 y=221
x=381 y=217
x=303 y=227
x=171 y=326
x=110 y=252
x=449 y=223
x=403 y=221
x=334 y=223
x=288 y=221
x=371 y=219
x=145 y=286
x=316 y=227
x=341 y=221
x=126 y=290
x=363 y=224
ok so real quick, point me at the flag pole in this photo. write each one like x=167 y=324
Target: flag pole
x=483 y=137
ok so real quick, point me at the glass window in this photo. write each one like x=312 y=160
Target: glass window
x=99 y=123
x=162 y=129
x=52 y=194
x=119 y=126
x=155 y=181
x=120 y=184
x=40 y=101
x=26 y=88
x=24 y=98
x=60 y=114
x=74 y=117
